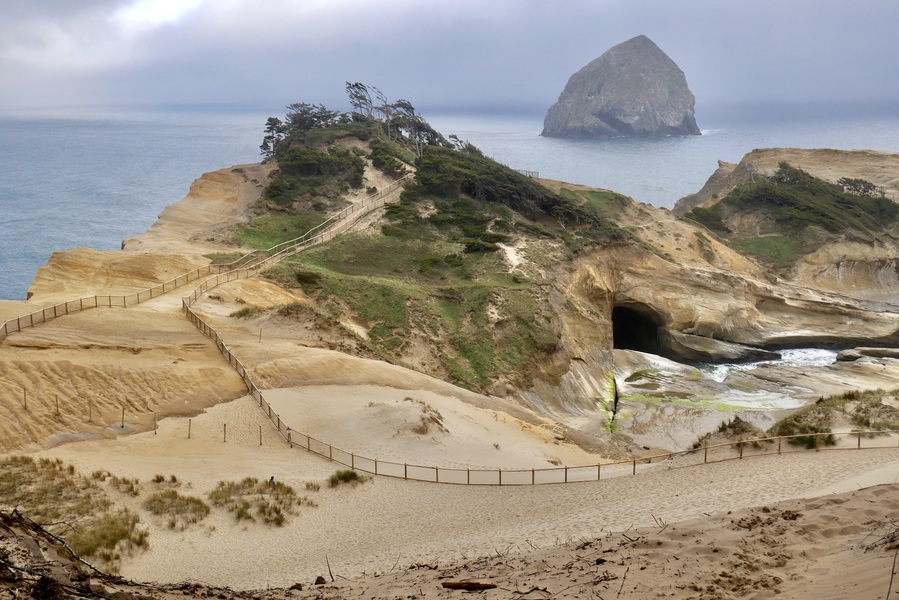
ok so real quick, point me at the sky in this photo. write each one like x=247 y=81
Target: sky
x=498 y=55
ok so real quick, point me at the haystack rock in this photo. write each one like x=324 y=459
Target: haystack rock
x=634 y=89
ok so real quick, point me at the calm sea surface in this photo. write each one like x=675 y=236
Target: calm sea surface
x=94 y=178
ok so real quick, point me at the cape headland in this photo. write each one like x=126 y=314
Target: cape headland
x=476 y=320
x=633 y=89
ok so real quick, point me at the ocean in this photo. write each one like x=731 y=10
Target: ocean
x=96 y=177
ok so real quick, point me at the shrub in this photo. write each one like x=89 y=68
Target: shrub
x=345 y=476
x=181 y=511
x=246 y=312
x=249 y=499
x=107 y=536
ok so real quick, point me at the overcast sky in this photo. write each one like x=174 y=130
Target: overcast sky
x=499 y=54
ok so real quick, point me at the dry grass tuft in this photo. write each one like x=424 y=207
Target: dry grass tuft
x=250 y=499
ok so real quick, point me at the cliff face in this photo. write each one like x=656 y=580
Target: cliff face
x=672 y=290
x=634 y=89
x=682 y=294
x=863 y=266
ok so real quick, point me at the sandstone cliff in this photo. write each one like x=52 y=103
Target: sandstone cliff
x=633 y=89
x=671 y=290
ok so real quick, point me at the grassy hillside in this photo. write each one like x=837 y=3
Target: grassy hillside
x=430 y=283
x=781 y=218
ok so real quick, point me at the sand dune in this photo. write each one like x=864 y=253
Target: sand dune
x=385 y=525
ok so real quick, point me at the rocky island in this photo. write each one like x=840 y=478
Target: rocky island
x=633 y=89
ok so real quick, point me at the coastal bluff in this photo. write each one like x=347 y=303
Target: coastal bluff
x=634 y=89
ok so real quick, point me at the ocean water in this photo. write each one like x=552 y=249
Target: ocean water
x=95 y=177
x=660 y=171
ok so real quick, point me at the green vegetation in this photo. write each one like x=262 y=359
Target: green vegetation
x=867 y=410
x=346 y=476
x=266 y=231
x=389 y=157
x=115 y=533
x=272 y=503
x=223 y=258
x=433 y=275
x=777 y=250
x=797 y=212
x=246 y=312
x=409 y=289
x=640 y=374
x=179 y=511
x=805 y=424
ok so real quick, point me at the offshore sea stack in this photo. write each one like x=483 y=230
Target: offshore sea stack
x=634 y=89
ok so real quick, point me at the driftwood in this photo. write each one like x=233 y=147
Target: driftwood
x=468 y=586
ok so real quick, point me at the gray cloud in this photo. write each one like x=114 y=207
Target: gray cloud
x=501 y=54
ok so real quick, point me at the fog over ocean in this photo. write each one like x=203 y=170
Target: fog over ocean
x=95 y=177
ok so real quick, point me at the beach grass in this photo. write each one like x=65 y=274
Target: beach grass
x=74 y=507
x=250 y=499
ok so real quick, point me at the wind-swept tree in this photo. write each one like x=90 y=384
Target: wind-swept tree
x=274 y=133
x=302 y=117
x=360 y=98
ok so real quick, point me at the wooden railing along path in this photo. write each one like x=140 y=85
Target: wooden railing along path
x=245 y=267
x=336 y=223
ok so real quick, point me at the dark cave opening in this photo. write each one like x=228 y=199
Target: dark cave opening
x=636 y=327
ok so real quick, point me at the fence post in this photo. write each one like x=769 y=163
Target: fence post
x=188 y=428
x=532 y=476
x=123 y=417
x=859 y=434
x=741 y=449
x=260 y=435
x=57 y=407
x=500 y=471
x=154 y=423
x=566 y=474
x=289 y=441
x=405 y=471
x=634 y=472
x=705 y=454
x=598 y=471
x=224 y=432
x=779 y=440
x=817 y=442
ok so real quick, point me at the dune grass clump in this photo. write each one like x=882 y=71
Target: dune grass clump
x=246 y=312
x=809 y=427
x=72 y=506
x=346 y=476
x=109 y=537
x=180 y=511
x=270 y=502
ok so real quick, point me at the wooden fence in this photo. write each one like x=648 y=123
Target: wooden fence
x=252 y=264
x=335 y=225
